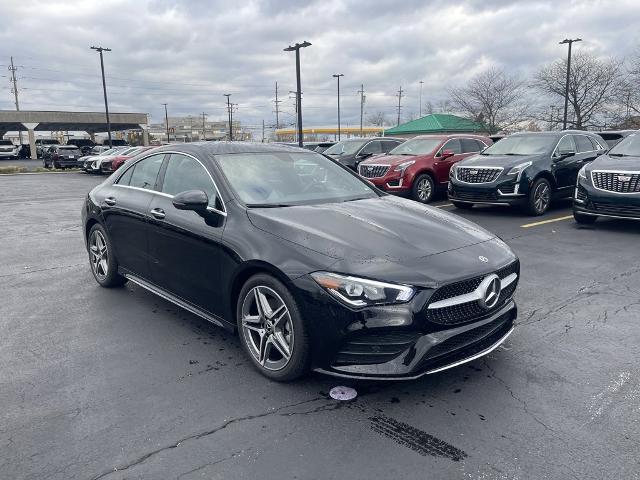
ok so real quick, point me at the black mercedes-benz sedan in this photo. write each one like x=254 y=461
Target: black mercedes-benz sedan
x=524 y=169
x=610 y=186
x=310 y=264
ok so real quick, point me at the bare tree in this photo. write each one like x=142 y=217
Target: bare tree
x=378 y=119
x=593 y=84
x=493 y=98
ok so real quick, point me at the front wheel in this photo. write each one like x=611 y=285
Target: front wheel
x=423 y=188
x=272 y=330
x=102 y=259
x=584 y=219
x=539 y=197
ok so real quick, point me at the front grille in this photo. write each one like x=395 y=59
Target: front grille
x=471 y=311
x=106 y=165
x=473 y=195
x=374 y=347
x=477 y=175
x=616 y=209
x=373 y=171
x=619 y=182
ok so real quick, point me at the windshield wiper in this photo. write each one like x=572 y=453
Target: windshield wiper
x=268 y=205
x=620 y=155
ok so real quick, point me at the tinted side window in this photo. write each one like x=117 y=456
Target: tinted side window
x=583 y=143
x=469 y=145
x=145 y=172
x=372 y=147
x=388 y=145
x=596 y=144
x=453 y=144
x=566 y=144
x=184 y=173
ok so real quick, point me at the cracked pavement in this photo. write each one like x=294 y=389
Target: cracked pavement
x=116 y=384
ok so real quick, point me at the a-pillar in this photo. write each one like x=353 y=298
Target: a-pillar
x=145 y=135
x=32 y=139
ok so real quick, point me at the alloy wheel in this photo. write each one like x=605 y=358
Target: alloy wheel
x=542 y=197
x=424 y=190
x=267 y=328
x=99 y=255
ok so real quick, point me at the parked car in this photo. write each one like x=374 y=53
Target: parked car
x=323 y=146
x=524 y=169
x=612 y=137
x=496 y=138
x=8 y=149
x=25 y=151
x=353 y=151
x=90 y=163
x=42 y=144
x=61 y=156
x=116 y=142
x=111 y=164
x=610 y=186
x=84 y=144
x=313 y=267
x=420 y=166
x=98 y=149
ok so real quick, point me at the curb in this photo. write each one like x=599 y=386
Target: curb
x=37 y=173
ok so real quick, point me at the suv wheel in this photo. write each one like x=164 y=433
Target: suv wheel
x=423 y=188
x=584 y=219
x=539 y=197
x=272 y=330
x=103 y=262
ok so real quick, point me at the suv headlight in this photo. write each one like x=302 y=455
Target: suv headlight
x=452 y=171
x=403 y=166
x=518 y=169
x=361 y=292
x=583 y=172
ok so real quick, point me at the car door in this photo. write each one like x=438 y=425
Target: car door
x=125 y=207
x=442 y=165
x=184 y=246
x=566 y=163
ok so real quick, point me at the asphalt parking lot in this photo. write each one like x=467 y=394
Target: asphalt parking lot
x=115 y=384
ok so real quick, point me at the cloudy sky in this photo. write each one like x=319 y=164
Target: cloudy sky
x=189 y=53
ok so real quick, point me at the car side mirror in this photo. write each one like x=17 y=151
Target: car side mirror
x=364 y=155
x=566 y=153
x=447 y=153
x=195 y=200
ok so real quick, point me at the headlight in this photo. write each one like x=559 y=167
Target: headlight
x=583 y=172
x=518 y=169
x=360 y=292
x=452 y=172
x=403 y=166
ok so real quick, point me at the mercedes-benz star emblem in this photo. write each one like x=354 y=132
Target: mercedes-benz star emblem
x=483 y=259
x=490 y=289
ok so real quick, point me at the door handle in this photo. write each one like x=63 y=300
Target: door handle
x=110 y=201
x=158 y=213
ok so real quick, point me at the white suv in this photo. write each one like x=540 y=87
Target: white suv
x=8 y=149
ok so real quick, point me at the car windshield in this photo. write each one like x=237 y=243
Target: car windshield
x=522 y=145
x=629 y=147
x=347 y=147
x=417 y=146
x=111 y=151
x=286 y=179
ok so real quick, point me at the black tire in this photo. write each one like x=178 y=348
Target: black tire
x=584 y=219
x=423 y=188
x=112 y=278
x=462 y=205
x=54 y=164
x=540 y=196
x=298 y=363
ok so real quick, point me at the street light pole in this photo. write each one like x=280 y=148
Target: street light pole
x=228 y=95
x=166 y=121
x=104 y=90
x=421 y=82
x=296 y=48
x=566 y=89
x=338 y=75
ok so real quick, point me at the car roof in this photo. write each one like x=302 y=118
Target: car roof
x=450 y=135
x=224 y=148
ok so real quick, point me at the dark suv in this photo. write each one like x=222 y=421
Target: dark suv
x=351 y=152
x=420 y=166
x=525 y=169
x=61 y=156
x=610 y=186
x=84 y=144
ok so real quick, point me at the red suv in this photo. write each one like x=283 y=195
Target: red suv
x=419 y=167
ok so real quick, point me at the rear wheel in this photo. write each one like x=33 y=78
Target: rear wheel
x=271 y=329
x=104 y=265
x=539 y=197
x=423 y=188
x=462 y=205
x=584 y=219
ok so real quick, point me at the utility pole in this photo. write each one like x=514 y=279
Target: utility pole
x=190 y=128
x=566 y=89
x=204 y=135
x=296 y=48
x=277 y=102
x=228 y=95
x=421 y=83
x=104 y=90
x=400 y=95
x=337 y=76
x=263 y=130
x=362 y=99
x=166 y=121
x=13 y=70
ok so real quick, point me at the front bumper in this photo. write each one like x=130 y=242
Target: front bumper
x=12 y=154
x=67 y=162
x=500 y=192
x=588 y=200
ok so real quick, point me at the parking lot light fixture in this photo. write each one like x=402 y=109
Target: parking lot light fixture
x=566 y=89
x=104 y=90
x=337 y=76
x=296 y=48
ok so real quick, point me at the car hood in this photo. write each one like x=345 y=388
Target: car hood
x=606 y=162
x=395 y=236
x=391 y=159
x=504 y=161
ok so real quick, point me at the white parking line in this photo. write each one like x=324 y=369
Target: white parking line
x=543 y=222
